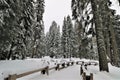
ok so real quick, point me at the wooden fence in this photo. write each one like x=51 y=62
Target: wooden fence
x=58 y=67
x=82 y=71
x=44 y=70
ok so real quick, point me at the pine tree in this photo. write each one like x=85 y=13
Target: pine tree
x=58 y=40
x=53 y=40
x=100 y=38
x=68 y=38
x=78 y=9
x=9 y=28
x=26 y=23
x=4 y=6
x=64 y=38
x=41 y=46
x=47 y=45
x=38 y=28
x=77 y=38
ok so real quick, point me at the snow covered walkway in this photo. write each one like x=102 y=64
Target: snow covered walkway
x=69 y=73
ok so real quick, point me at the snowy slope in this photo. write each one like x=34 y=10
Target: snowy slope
x=114 y=73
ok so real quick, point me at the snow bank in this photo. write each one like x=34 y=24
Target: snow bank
x=114 y=73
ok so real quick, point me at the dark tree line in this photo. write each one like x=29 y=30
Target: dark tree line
x=21 y=28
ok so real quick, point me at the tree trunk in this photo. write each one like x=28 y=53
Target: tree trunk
x=10 y=53
x=115 y=57
x=103 y=64
x=80 y=34
x=107 y=43
x=110 y=36
x=105 y=22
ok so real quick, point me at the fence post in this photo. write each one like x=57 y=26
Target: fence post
x=57 y=67
x=47 y=70
x=81 y=70
x=84 y=76
x=76 y=62
x=91 y=76
x=12 y=77
x=63 y=65
x=72 y=63
x=68 y=64
x=82 y=63
x=85 y=66
x=95 y=64
x=44 y=70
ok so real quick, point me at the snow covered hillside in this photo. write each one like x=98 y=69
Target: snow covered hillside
x=69 y=73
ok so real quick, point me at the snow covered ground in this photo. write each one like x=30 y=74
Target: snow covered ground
x=69 y=73
x=114 y=73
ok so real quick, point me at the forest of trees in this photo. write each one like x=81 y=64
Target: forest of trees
x=21 y=28
x=93 y=32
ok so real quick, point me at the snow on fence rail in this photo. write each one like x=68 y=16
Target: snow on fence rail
x=44 y=70
x=88 y=63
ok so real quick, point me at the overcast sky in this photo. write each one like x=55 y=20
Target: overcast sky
x=56 y=10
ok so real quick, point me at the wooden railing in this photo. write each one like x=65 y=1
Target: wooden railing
x=82 y=71
x=44 y=70
x=15 y=76
x=84 y=76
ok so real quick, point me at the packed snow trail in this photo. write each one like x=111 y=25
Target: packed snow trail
x=69 y=73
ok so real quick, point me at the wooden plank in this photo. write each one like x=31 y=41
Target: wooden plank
x=52 y=68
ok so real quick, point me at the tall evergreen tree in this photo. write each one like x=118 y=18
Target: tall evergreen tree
x=64 y=38
x=98 y=26
x=38 y=28
x=77 y=38
x=68 y=38
x=53 y=40
x=108 y=18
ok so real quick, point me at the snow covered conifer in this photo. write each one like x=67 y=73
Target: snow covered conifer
x=53 y=40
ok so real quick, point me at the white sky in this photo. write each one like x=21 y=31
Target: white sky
x=56 y=10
